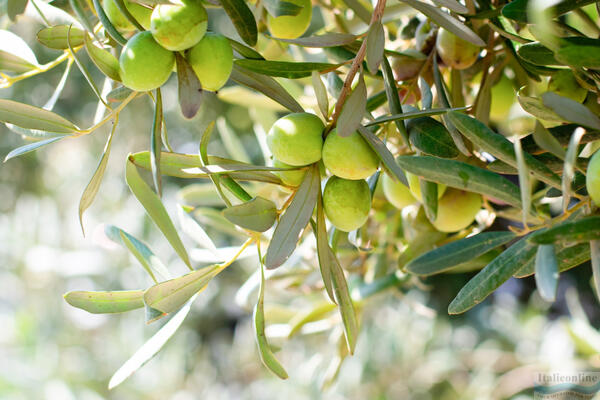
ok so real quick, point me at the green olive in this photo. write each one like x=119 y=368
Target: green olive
x=456 y=210
x=349 y=157
x=115 y=16
x=396 y=192
x=296 y=139
x=290 y=178
x=455 y=52
x=145 y=65
x=212 y=61
x=415 y=187
x=346 y=203
x=592 y=178
x=179 y=25
x=291 y=26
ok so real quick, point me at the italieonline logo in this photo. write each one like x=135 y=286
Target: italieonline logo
x=566 y=385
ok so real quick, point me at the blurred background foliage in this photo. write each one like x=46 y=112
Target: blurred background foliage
x=408 y=346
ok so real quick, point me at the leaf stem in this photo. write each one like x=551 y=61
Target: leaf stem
x=358 y=59
x=110 y=116
x=8 y=81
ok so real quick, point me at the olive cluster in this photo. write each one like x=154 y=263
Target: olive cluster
x=148 y=58
x=297 y=140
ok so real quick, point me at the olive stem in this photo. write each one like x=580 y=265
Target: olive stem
x=358 y=59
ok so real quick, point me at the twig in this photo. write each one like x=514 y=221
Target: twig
x=358 y=59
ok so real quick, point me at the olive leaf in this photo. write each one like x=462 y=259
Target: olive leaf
x=294 y=220
x=55 y=37
x=258 y=214
x=546 y=272
x=15 y=54
x=154 y=208
x=353 y=110
x=242 y=18
x=582 y=230
x=189 y=89
x=106 y=302
x=105 y=61
x=284 y=69
x=331 y=39
x=454 y=253
x=35 y=118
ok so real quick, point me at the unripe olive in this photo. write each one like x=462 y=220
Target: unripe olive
x=179 y=25
x=415 y=187
x=115 y=16
x=406 y=67
x=212 y=61
x=396 y=192
x=455 y=52
x=145 y=65
x=346 y=203
x=290 y=178
x=456 y=210
x=564 y=84
x=291 y=26
x=349 y=157
x=592 y=178
x=296 y=139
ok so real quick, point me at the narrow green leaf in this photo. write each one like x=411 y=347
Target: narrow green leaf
x=189 y=88
x=294 y=219
x=523 y=179
x=258 y=214
x=517 y=10
x=278 y=8
x=500 y=147
x=462 y=176
x=105 y=61
x=410 y=115
x=536 y=107
x=595 y=256
x=571 y=110
x=546 y=272
x=360 y=10
x=243 y=20
x=284 y=69
x=82 y=16
x=375 y=46
x=320 y=94
x=267 y=86
x=353 y=110
x=118 y=94
x=14 y=8
x=569 y=166
x=169 y=296
x=452 y=5
x=537 y=54
x=19 y=151
x=324 y=253
x=547 y=141
x=55 y=37
x=431 y=137
x=108 y=26
x=316 y=313
x=125 y=11
x=492 y=276
x=189 y=166
x=245 y=51
x=151 y=347
x=384 y=154
x=582 y=230
x=149 y=261
x=326 y=40
x=454 y=253
x=30 y=117
x=156 y=143
x=568 y=257
x=90 y=191
x=446 y=21
x=155 y=209
x=344 y=301
x=391 y=92
x=429 y=195
x=106 y=302
x=426 y=95
x=264 y=350
x=15 y=54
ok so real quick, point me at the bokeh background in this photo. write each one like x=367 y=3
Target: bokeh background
x=408 y=347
